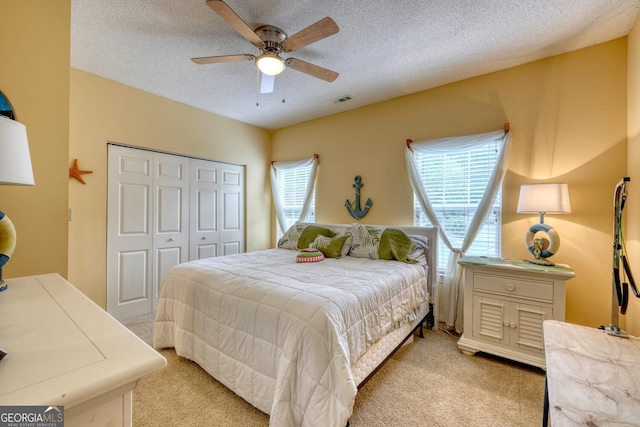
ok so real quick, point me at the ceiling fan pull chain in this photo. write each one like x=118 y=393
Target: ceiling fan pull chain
x=257 y=87
x=283 y=85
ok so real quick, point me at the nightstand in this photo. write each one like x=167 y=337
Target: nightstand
x=505 y=303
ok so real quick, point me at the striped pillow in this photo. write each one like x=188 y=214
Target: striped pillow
x=309 y=255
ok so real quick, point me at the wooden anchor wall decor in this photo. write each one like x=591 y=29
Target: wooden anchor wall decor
x=356 y=211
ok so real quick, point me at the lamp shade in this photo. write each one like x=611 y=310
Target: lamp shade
x=15 y=161
x=550 y=198
x=270 y=64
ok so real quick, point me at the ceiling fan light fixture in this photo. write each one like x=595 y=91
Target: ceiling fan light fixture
x=270 y=63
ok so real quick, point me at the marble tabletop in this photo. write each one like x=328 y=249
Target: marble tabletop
x=593 y=378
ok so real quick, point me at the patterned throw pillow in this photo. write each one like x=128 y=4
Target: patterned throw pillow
x=365 y=241
x=347 y=245
x=290 y=238
x=421 y=252
x=330 y=247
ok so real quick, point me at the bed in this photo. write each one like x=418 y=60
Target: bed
x=297 y=339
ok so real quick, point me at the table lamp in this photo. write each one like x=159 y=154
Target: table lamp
x=547 y=198
x=15 y=169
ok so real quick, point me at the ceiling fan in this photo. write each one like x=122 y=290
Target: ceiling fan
x=272 y=41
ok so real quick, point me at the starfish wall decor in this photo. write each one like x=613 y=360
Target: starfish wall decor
x=75 y=172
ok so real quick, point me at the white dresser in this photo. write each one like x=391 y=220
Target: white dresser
x=505 y=303
x=64 y=350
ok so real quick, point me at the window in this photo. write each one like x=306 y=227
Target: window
x=293 y=189
x=455 y=182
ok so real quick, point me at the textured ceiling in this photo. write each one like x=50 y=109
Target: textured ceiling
x=384 y=49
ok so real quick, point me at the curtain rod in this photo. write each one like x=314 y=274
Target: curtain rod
x=409 y=141
x=507 y=128
x=315 y=156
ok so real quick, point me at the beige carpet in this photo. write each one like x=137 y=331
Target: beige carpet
x=427 y=383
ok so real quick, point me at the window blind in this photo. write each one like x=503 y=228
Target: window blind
x=293 y=187
x=455 y=182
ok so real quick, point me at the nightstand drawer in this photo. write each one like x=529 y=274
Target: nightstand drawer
x=505 y=285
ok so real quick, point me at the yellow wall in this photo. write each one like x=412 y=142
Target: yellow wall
x=632 y=215
x=34 y=75
x=568 y=118
x=102 y=111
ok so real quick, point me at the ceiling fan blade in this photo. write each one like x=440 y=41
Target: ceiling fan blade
x=266 y=83
x=226 y=13
x=311 y=69
x=321 y=29
x=223 y=58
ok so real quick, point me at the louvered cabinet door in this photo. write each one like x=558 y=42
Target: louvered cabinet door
x=491 y=319
x=505 y=303
x=510 y=323
x=525 y=324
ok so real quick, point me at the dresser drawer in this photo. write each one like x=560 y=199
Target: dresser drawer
x=506 y=285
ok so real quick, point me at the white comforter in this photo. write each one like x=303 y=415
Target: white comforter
x=283 y=335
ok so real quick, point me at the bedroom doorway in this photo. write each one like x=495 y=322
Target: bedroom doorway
x=162 y=210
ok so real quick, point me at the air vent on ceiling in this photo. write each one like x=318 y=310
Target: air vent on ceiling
x=342 y=99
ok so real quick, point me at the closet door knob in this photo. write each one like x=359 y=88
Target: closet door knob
x=510 y=287
x=171 y=239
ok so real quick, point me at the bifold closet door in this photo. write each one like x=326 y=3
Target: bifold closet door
x=205 y=192
x=147 y=226
x=232 y=209
x=165 y=209
x=171 y=217
x=217 y=209
x=129 y=232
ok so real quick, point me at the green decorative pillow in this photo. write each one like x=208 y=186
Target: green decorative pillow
x=395 y=244
x=290 y=238
x=381 y=243
x=310 y=233
x=330 y=247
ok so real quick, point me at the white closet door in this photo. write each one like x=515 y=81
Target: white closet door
x=205 y=191
x=232 y=209
x=165 y=209
x=171 y=216
x=130 y=232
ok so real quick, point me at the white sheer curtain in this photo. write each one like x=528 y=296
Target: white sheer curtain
x=451 y=291
x=275 y=188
